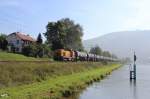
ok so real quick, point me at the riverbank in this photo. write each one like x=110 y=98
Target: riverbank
x=60 y=85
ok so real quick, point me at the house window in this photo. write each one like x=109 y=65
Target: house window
x=17 y=41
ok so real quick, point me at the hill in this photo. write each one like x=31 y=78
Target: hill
x=124 y=43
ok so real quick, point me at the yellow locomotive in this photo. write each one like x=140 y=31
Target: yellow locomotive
x=62 y=55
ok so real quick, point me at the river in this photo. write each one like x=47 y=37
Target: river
x=118 y=86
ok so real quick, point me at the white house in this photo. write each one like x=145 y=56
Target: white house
x=17 y=40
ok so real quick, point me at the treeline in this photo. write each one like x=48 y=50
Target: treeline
x=62 y=34
x=98 y=51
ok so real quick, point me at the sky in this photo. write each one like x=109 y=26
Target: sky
x=97 y=17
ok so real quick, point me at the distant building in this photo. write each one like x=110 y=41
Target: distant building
x=17 y=40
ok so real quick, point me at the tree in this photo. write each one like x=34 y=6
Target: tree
x=126 y=60
x=106 y=53
x=96 y=50
x=39 y=39
x=3 y=42
x=47 y=51
x=37 y=50
x=114 y=56
x=64 y=34
x=30 y=50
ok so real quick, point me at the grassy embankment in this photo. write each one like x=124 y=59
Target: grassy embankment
x=33 y=80
x=4 y=56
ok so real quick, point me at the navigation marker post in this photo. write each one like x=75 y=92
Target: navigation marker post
x=133 y=70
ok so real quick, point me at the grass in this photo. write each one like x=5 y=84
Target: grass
x=4 y=56
x=61 y=80
x=19 y=73
x=32 y=78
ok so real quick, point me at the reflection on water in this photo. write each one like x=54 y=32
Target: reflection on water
x=119 y=86
x=133 y=88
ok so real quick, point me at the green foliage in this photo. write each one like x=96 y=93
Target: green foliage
x=47 y=53
x=37 y=50
x=114 y=56
x=40 y=50
x=64 y=34
x=3 y=42
x=126 y=60
x=96 y=50
x=106 y=53
x=30 y=50
x=39 y=39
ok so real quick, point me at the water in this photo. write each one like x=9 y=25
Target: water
x=118 y=85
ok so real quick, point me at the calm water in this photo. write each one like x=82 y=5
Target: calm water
x=118 y=85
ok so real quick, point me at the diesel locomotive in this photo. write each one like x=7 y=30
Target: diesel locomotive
x=70 y=55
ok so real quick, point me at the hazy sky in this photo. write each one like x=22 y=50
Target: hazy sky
x=97 y=17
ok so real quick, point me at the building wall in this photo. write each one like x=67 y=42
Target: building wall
x=15 y=41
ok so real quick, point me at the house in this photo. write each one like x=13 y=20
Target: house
x=16 y=41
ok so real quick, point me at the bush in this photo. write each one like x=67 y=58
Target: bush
x=3 y=42
x=37 y=50
x=30 y=50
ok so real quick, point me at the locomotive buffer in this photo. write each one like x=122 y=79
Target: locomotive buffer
x=133 y=69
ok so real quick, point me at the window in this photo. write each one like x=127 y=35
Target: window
x=17 y=42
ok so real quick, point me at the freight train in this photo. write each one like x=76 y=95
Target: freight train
x=70 y=55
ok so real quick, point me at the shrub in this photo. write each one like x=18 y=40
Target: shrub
x=37 y=50
x=30 y=50
x=3 y=42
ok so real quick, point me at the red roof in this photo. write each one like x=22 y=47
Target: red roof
x=24 y=37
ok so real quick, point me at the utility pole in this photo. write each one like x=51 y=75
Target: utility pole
x=133 y=70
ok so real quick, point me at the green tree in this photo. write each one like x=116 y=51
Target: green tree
x=37 y=50
x=46 y=50
x=126 y=60
x=3 y=42
x=114 y=56
x=64 y=34
x=39 y=39
x=106 y=53
x=30 y=50
x=96 y=50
